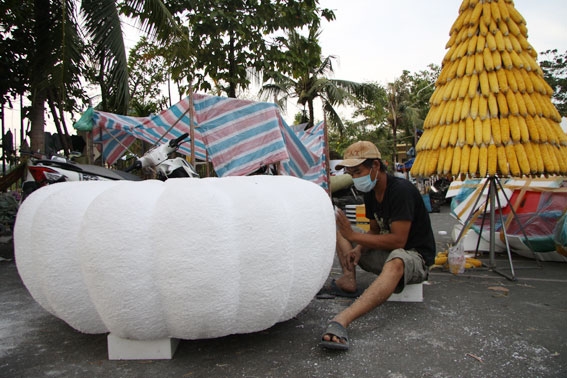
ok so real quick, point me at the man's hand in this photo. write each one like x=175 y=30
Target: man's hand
x=352 y=258
x=343 y=224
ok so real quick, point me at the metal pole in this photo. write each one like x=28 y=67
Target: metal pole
x=492 y=202
x=192 y=125
x=513 y=277
x=327 y=158
x=3 y=149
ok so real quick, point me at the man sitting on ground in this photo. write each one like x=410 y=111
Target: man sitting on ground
x=399 y=246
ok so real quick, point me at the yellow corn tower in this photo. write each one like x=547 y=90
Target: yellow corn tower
x=491 y=111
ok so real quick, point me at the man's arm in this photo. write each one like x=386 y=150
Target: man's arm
x=397 y=238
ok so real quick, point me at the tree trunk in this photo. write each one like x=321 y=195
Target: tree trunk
x=311 y=114
x=37 y=137
x=232 y=68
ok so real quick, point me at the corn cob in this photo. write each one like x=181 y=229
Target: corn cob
x=502 y=161
x=512 y=160
x=483 y=107
x=473 y=86
x=538 y=156
x=551 y=154
x=502 y=80
x=474 y=106
x=441 y=160
x=503 y=27
x=524 y=30
x=487 y=56
x=484 y=85
x=522 y=159
x=456 y=161
x=521 y=104
x=477 y=132
x=511 y=80
x=548 y=90
x=530 y=107
x=464 y=86
x=514 y=129
x=547 y=162
x=561 y=135
x=495 y=11
x=461 y=68
x=493 y=27
x=471 y=45
x=490 y=43
x=455 y=91
x=473 y=161
x=541 y=129
x=552 y=136
x=512 y=103
x=516 y=60
x=531 y=157
x=537 y=82
x=537 y=103
x=516 y=46
x=486 y=132
x=505 y=130
x=506 y=60
x=516 y=16
x=504 y=13
x=448 y=160
x=500 y=45
x=447 y=89
x=532 y=129
x=502 y=105
x=465 y=108
x=480 y=43
x=483 y=161
x=469 y=70
x=465 y=156
x=514 y=29
x=486 y=16
x=559 y=157
x=455 y=132
x=479 y=62
x=438 y=137
x=432 y=162
x=493 y=82
x=483 y=29
x=469 y=132
x=524 y=133
x=492 y=160
x=520 y=81
x=496 y=135
x=497 y=60
x=508 y=44
x=493 y=105
x=457 y=112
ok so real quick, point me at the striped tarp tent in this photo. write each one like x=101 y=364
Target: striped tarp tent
x=314 y=140
x=240 y=136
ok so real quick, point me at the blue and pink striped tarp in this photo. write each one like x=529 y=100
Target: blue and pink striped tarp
x=314 y=140
x=240 y=136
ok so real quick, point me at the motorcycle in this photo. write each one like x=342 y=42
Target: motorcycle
x=43 y=172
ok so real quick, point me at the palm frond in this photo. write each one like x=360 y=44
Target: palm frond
x=104 y=28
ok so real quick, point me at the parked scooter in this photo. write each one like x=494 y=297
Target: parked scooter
x=43 y=172
x=158 y=158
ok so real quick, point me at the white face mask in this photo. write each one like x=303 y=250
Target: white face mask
x=365 y=184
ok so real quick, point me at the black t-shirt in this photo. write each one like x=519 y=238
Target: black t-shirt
x=402 y=201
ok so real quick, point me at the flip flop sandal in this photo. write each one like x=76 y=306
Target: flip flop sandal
x=335 y=329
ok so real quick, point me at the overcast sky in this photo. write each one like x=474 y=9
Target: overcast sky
x=375 y=40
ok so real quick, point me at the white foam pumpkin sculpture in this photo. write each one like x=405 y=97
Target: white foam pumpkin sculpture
x=185 y=258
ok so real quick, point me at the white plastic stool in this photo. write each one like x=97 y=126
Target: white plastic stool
x=411 y=293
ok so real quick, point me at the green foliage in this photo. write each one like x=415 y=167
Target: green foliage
x=229 y=38
x=147 y=72
x=554 y=67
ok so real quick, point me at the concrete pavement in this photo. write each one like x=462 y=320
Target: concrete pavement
x=473 y=325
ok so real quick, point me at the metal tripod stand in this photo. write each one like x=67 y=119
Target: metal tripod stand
x=493 y=199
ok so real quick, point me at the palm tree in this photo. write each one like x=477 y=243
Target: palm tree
x=57 y=48
x=305 y=78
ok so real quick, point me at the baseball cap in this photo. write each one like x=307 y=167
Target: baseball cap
x=357 y=152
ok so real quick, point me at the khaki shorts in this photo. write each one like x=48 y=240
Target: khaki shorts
x=415 y=269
